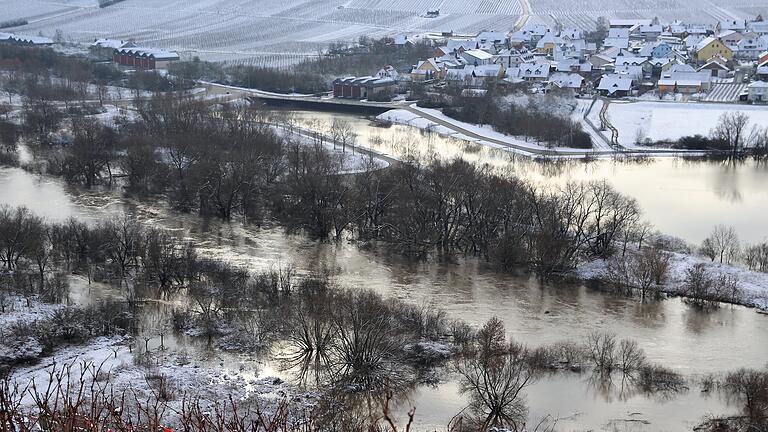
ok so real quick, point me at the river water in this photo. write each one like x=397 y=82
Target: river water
x=680 y=198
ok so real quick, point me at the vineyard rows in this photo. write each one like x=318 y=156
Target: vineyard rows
x=258 y=30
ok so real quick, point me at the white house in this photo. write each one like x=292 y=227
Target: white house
x=758 y=91
x=615 y=85
x=477 y=57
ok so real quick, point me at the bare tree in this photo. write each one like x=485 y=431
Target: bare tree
x=495 y=381
x=732 y=130
x=722 y=243
x=601 y=349
x=342 y=133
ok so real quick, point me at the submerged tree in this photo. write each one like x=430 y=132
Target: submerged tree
x=494 y=377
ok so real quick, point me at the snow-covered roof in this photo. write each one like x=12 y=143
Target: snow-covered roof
x=534 y=70
x=704 y=43
x=478 y=54
x=149 y=52
x=565 y=80
x=491 y=36
x=618 y=33
x=631 y=61
x=703 y=77
x=635 y=72
x=110 y=43
x=549 y=38
x=614 y=82
x=616 y=42
x=566 y=65
x=650 y=28
x=693 y=40
x=34 y=40
x=491 y=70
x=456 y=45
x=570 y=33
x=629 y=22
x=733 y=25
x=716 y=62
x=678 y=67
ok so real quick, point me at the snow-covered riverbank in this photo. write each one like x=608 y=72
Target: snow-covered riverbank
x=753 y=285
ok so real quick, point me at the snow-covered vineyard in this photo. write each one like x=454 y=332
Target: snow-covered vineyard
x=281 y=33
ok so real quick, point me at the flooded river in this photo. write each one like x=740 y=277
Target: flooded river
x=680 y=198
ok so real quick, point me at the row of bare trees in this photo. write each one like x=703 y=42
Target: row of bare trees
x=229 y=162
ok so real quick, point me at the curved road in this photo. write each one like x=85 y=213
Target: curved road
x=526 y=5
x=233 y=92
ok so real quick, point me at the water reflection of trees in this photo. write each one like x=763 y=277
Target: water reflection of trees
x=494 y=376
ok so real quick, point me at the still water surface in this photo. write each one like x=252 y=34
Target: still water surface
x=681 y=198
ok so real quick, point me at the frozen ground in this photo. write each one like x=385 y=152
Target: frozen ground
x=671 y=121
x=282 y=33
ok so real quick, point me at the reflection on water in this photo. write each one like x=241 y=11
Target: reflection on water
x=681 y=198
x=686 y=339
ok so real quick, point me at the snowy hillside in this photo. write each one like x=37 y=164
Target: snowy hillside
x=281 y=32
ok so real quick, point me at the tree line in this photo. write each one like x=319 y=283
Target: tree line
x=230 y=163
x=527 y=121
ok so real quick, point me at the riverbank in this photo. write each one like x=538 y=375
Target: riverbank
x=752 y=285
x=434 y=120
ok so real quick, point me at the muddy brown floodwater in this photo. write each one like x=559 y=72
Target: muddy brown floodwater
x=680 y=198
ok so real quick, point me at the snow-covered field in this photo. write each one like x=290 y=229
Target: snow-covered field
x=256 y=31
x=281 y=33
x=670 y=121
x=583 y=14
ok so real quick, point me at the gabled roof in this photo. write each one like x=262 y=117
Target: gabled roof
x=716 y=63
x=630 y=61
x=680 y=68
x=705 y=43
x=565 y=80
x=534 y=70
x=491 y=36
x=35 y=40
x=614 y=82
x=456 y=45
